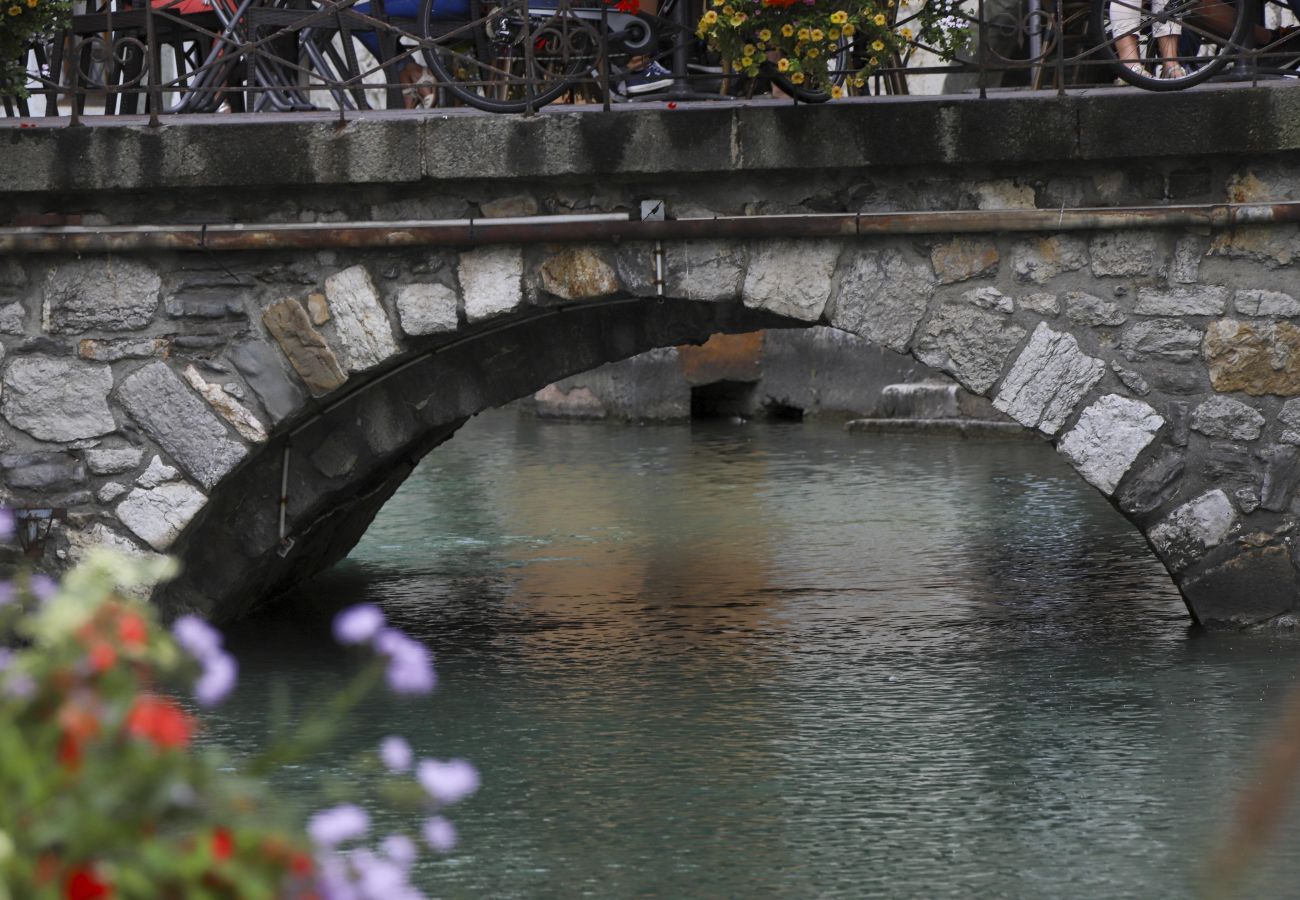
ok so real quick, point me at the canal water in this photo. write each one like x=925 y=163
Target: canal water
x=780 y=660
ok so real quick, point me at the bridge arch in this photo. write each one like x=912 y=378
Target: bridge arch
x=340 y=387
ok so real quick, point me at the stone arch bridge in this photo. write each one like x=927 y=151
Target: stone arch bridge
x=211 y=349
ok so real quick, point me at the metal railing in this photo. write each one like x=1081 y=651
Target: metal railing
x=130 y=57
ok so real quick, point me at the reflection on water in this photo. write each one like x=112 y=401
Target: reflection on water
x=740 y=660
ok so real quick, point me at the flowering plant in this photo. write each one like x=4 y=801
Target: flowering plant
x=21 y=22
x=105 y=793
x=809 y=41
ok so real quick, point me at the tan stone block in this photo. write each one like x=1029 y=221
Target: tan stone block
x=578 y=273
x=1256 y=358
x=304 y=346
x=318 y=308
x=963 y=258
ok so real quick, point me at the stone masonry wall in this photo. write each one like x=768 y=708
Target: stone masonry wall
x=152 y=395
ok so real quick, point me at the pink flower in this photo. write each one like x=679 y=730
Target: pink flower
x=410 y=666
x=358 y=624
x=447 y=782
x=440 y=834
x=396 y=753
x=331 y=827
x=217 y=680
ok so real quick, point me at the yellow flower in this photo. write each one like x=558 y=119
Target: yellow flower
x=874 y=61
x=783 y=65
x=749 y=50
x=839 y=17
x=859 y=81
x=813 y=53
x=15 y=10
x=747 y=62
x=833 y=34
x=877 y=45
x=906 y=33
x=880 y=19
x=836 y=92
x=797 y=78
x=738 y=19
x=728 y=11
x=31 y=4
x=803 y=34
x=710 y=17
x=848 y=30
x=817 y=34
x=787 y=30
x=765 y=34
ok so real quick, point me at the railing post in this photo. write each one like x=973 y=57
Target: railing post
x=1060 y=48
x=604 y=54
x=981 y=56
x=151 y=54
x=529 y=110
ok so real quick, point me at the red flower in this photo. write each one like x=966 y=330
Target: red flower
x=69 y=752
x=300 y=864
x=82 y=884
x=160 y=721
x=223 y=844
x=102 y=657
x=132 y=631
x=628 y=6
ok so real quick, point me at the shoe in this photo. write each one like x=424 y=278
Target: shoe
x=653 y=77
x=1171 y=70
x=1134 y=67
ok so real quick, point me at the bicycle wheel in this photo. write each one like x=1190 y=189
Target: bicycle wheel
x=484 y=62
x=1207 y=33
x=838 y=69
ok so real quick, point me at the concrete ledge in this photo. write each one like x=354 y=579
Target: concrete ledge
x=237 y=150
x=960 y=427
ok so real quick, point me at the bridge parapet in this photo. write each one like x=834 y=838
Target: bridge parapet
x=164 y=398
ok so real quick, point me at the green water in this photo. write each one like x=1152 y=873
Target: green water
x=786 y=661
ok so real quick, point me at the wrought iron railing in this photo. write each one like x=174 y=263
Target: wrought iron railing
x=133 y=57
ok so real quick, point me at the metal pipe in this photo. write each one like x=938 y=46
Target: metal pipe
x=620 y=226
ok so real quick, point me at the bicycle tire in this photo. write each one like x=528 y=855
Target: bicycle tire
x=438 y=58
x=840 y=69
x=1198 y=68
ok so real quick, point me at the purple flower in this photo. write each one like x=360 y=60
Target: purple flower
x=218 y=678
x=331 y=827
x=43 y=587
x=410 y=667
x=6 y=524
x=6 y=657
x=199 y=639
x=358 y=624
x=447 y=782
x=7 y=593
x=440 y=834
x=332 y=878
x=400 y=849
x=20 y=685
x=396 y=753
x=377 y=876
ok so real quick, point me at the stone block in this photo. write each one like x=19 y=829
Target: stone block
x=514 y=206
x=989 y=298
x=100 y=294
x=13 y=318
x=1275 y=246
x=578 y=273
x=1087 y=309
x=791 y=278
x=1189 y=531
x=1039 y=260
x=1223 y=417
x=113 y=350
x=1228 y=464
x=111 y=491
x=1040 y=302
x=1123 y=253
x=1186 y=265
x=963 y=258
x=1169 y=340
x=552 y=402
x=303 y=346
x=42 y=471
x=881 y=297
x=1106 y=441
x=1266 y=303
x=1049 y=378
x=970 y=343
x=57 y=399
x=1132 y=380
x=1256 y=358
x=1251 y=587
x=318 y=308
x=1155 y=485
x=1004 y=194
x=1202 y=300
x=1281 y=476
x=226 y=406
x=208 y=304
x=259 y=365
x=158 y=515
x=427 y=308
x=360 y=320
x=712 y=271
x=156 y=473
x=181 y=423
x=491 y=281
x=112 y=460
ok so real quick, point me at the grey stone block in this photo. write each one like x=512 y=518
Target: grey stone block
x=106 y=294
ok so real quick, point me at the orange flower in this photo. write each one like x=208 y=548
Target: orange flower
x=132 y=631
x=160 y=721
x=102 y=657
